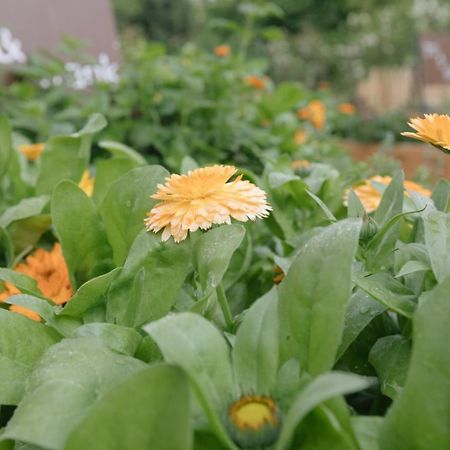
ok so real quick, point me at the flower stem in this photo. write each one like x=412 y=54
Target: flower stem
x=223 y=302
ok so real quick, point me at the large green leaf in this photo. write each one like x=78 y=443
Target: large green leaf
x=124 y=206
x=367 y=430
x=108 y=171
x=120 y=339
x=255 y=352
x=390 y=357
x=80 y=231
x=60 y=160
x=195 y=344
x=65 y=384
x=361 y=310
x=26 y=208
x=324 y=387
x=418 y=419
x=89 y=294
x=5 y=144
x=149 y=410
x=122 y=151
x=388 y=291
x=213 y=252
x=437 y=241
x=149 y=282
x=22 y=343
x=315 y=294
x=22 y=282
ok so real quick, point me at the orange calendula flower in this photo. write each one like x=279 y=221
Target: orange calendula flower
x=31 y=151
x=300 y=164
x=300 y=137
x=314 y=112
x=86 y=183
x=347 y=108
x=222 y=51
x=202 y=198
x=254 y=81
x=433 y=129
x=279 y=275
x=49 y=269
x=370 y=196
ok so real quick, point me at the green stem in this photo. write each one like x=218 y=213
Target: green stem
x=223 y=302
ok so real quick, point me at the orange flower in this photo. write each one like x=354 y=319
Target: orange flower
x=370 y=196
x=314 y=112
x=347 y=108
x=254 y=81
x=31 y=151
x=86 y=183
x=300 y=164
x=222 y=51
x=433 y=129
x=203 y=198
x=300 y=137
x=49 y=269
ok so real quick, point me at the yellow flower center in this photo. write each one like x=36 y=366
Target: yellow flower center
x=253 y=413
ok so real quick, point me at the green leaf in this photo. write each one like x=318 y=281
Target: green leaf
x=412 y=267
x=389 y=292
x=149 y=282
x=122 y=151
x=329 y=215
x=89 y=294
x=95 y=123
x=149 y=410
x=361 y=310
x=255 y=352
x=125 y=205
x=213 y=251
x=5 y=144
x=324 y=387
x=120 y=339
x=22 y=282
x=390 y=357
x=190 y=341
x=65 y=384
x=367 y=430
x=26 y=208
x=80 y=231
x=391 y=202
x=437 y=241
x=315 y=293
x=419 y=416
x=60 y=160
x=37 y=304
x=441 y=195
x=22 y=343
x=108 y=171
x=355 y=208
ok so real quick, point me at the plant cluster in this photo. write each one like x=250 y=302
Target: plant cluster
x=277 y=309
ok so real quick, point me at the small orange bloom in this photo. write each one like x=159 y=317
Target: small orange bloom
x=433 y=129
x=314 y=112
x=370 y=196
x=31 y=151
x=347 y=108
x=222 y=51
x=301 y=164
x=254 y=81
x=300 y=137
x=49 y=269
x=204 y=197
x=86 y=183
